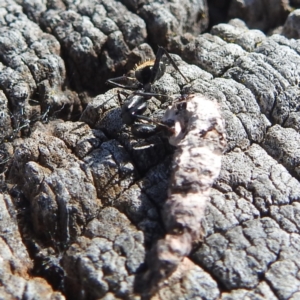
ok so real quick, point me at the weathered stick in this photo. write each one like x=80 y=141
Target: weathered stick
x=199 y=136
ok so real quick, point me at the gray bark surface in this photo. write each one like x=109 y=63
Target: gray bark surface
x=82 y=200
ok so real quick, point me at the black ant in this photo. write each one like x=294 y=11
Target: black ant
x=136 y=102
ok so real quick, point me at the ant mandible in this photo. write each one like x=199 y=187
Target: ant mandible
x=132 y=110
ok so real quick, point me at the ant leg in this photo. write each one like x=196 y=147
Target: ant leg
x=163 y=50
x=166 y=125
x=124 y=93
x=155 y=67
x=140 y=93
x=146 y=94
x=144 y=131
x=113 y=82
x=120 y=98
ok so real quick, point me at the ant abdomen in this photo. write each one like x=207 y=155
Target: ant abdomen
x=144 y=72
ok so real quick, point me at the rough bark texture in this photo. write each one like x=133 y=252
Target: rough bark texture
x=263 y=15
x=83 y=202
